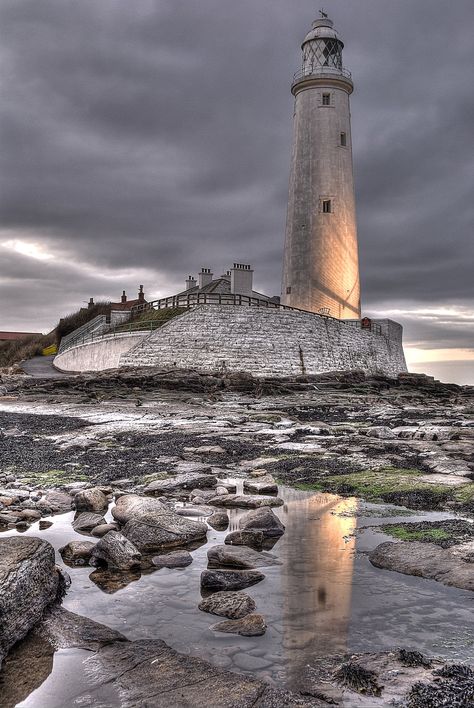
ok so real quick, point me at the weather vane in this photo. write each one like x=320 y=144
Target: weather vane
x=323 y=14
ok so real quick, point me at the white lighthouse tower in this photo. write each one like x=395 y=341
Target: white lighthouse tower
x=321 y=268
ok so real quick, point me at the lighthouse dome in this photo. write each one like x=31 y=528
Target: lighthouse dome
x=322 y=49
x=322 y=29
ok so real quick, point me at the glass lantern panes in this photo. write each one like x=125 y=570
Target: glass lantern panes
x=322 y=53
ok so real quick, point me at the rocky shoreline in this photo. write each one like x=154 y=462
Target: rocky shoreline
x=148 y=460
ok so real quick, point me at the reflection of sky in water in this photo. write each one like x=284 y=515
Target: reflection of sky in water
x=323 y=599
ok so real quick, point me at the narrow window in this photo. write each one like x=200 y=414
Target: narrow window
x=288 y=290
x=343 y=139
x=327 y=206
x=326 y=99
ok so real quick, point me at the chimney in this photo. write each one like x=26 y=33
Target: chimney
x=205 y=277
x=141 y=294
x=241 y=279
x=90 y=304
x=190 y=282
x=124 y=297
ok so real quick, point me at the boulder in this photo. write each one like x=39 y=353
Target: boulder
x=132 y=506
x=245 y=501
x=214 y=580
x=77 y=552
x=116 y=552
x=450 y=566
x=262 y=485
x=29 y=583
x=86 y=521
x=91 y=500
x=175 y=559
x=56 y=502
x=189 y=480
x=263 y=520
x=254 y=539
x=249 y=626
x=163 y=529
x=219 y=520
x=200 y=496
x=227 y=556
x=102 y=529
x=29 y=515
x=199 y=511
x=232 y=605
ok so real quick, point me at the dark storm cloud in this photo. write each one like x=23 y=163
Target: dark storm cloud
x=152 y=138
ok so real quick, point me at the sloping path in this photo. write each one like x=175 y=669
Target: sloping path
x=42 y=367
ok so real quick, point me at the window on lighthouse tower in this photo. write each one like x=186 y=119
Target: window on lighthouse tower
x=326 y=99
x=326 y=206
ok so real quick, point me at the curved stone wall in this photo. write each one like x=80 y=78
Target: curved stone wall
x=98 y=355
x=268 y=342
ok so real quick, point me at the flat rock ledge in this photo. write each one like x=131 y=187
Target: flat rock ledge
x=450 y=566
x=29 y=583
x=150 y=673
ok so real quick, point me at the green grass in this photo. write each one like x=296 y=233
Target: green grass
x=395 y=486
x=464 y=494
x=426 y=535
x=152 y=319
x=53 y=478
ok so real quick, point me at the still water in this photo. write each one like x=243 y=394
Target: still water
x=325 y=598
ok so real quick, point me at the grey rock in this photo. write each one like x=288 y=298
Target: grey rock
x=102 y=529
x=262 y=485
x=219 y=520
x=91 y=500
x=30 y=515
x=263 y=520
x=86 y=521
x=29 y=583
x=57 y=502
x=77 y=552
x=116 y=552
x=381 y=432
x=162 y=529
x=44 y=524
x=132 y=506
x=175 y=559
x=231 y=487
x=249 y=626
x=450 y=566
x=254 y=539
x=190 y=480
x=227 y=556
x=194 y=511
x=229 y=579
x=245 y=501
x=232 y=605
x=65 y=630
x=149 y=673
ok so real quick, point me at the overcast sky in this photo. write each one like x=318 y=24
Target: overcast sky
x=143 y=140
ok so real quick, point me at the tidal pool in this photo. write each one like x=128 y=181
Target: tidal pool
x=325 y=598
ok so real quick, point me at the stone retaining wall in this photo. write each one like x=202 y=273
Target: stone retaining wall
x=267 y=342
x=97 y=355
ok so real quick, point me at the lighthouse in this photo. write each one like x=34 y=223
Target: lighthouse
x=320 y=265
